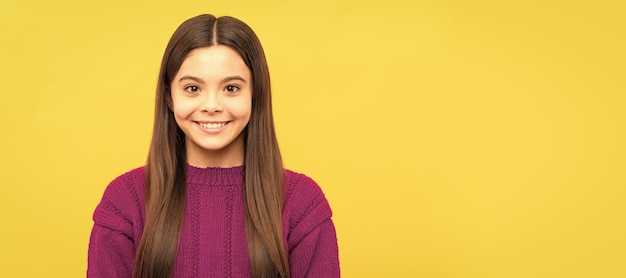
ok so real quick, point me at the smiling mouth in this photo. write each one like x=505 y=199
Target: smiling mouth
x=212 y=125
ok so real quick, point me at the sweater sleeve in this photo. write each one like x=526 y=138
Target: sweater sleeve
x=113 y=237
x=311 y=239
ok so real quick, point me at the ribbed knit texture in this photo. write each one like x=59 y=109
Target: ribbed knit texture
x=213 y=239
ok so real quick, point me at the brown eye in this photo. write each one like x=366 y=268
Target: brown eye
x=231 y=88
x=192 y=89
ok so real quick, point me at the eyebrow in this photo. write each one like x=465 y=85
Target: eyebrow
x=199 y=80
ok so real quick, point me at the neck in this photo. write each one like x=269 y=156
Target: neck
x=230 y=156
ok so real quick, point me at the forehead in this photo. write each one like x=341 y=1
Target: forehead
x=213 y=62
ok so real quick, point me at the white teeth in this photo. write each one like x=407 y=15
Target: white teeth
x=212 y=125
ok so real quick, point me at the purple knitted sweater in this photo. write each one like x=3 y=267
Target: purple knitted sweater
x=213 y=237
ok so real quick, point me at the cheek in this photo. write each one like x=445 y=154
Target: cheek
x=182 y=109
x=241 y=109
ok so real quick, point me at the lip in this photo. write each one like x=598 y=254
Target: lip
x=206 y=126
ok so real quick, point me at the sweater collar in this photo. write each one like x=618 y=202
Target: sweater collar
x=215 y=176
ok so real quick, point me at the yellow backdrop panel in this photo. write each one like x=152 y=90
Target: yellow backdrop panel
x=452 y=138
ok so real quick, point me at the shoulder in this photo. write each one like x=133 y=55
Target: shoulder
x=129 y=178
x=131 y=182
x=305 y=206
x=299 y=184
x=122 y=200
x=301 y=189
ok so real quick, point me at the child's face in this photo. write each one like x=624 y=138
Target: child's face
x=212 y=103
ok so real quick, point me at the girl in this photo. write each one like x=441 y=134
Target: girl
x=213 y=199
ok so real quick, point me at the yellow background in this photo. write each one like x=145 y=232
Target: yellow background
x=452 y=138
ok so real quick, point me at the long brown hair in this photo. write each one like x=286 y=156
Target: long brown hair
x=166 y=164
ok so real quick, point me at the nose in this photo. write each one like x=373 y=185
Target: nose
x=211 y=103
